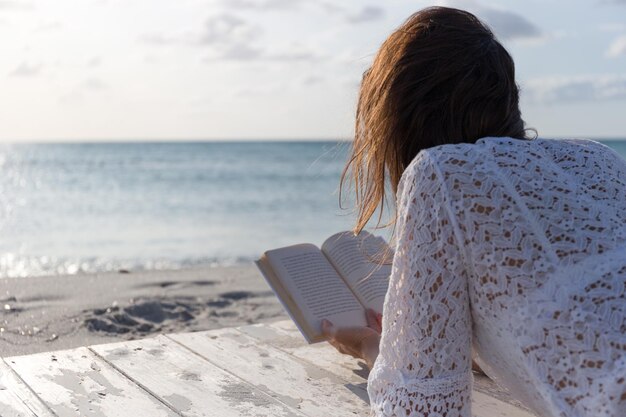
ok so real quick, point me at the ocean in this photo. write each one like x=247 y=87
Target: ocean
x=70 y=208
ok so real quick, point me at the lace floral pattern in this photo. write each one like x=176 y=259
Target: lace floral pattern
x=517 y=247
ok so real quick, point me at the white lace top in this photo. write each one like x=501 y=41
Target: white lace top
x=517 y=248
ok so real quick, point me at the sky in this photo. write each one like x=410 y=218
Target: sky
x=100 y=70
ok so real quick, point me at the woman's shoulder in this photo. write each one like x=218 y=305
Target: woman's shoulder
x=580 y=145
x=460 y=154
x=468 y=150
x=502 y=147
x=467 y=158
x=432 y=165
x=487 y=152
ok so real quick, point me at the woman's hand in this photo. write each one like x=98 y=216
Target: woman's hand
x=359 y=342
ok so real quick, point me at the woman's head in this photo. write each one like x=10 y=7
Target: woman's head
x=441 y=77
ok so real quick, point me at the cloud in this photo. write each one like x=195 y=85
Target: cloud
x=312 y=80
x=575 y=89
x=26 y=69
x=262 y=4
x=236 y=52
x=293 y=54
x=259 y=90
x=617 y=47
x=242 y=52
x=505 y=24
x=231 y=38
x=93 y=84
x=227 y=28
x=160 y=39
x=366 y=14
x=82 y=91
x=510 y=25
x=224 y=28
x=612 y=27
x=94 y=62
x=15 y=5
x=279 y=87
x=48 y=26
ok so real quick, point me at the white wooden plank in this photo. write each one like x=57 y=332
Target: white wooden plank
x=313 y=391
x=187 y=382
x=16 y=399
x=77 y=383
x=12 y=406
x=284 y=335
x=484 y=405
x=274 y=358
x=287 y=338
x=486 y=386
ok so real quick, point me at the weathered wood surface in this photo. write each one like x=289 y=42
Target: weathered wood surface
x=258 y=370
x=284 y=335
x=16 y=398
x=188 y=383
x=299 y=384
x=78 y=383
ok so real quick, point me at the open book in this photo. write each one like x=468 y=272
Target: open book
x=349 y=274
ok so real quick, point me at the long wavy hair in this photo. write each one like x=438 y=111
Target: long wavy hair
x=440 y=78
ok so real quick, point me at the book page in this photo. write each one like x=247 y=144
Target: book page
x=286 y=300
x=315 y=286
x=361 y=262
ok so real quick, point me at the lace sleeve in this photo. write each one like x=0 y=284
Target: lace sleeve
x=424 y=365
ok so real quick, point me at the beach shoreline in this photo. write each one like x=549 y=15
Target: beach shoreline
x=49 y=313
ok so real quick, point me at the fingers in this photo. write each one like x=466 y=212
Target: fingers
x=346 y=341
x=328 y=329
x=369 y=316
x=374 y=320
x=476 y=368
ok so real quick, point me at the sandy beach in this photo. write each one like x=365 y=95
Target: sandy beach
x=59 y=312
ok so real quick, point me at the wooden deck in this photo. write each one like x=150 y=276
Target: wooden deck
x=258 y=370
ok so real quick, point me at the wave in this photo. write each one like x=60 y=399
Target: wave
x=16 y=266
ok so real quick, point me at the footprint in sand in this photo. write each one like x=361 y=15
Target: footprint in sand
x=177 y=284
x=151 y=315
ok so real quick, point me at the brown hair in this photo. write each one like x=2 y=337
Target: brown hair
x=441 y=77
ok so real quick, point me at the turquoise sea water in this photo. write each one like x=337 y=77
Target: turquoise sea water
x=66 y=208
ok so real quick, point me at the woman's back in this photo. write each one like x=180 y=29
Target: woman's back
x=534 y=251
x=513 y=245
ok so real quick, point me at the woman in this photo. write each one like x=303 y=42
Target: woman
x=510 y=245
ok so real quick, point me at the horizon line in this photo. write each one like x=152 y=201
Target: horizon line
x=228 y=140
x=163 y=140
